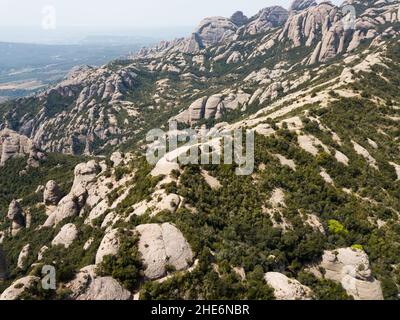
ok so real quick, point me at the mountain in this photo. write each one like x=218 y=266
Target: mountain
x=318 y=217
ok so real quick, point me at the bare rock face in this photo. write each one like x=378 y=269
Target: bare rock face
x=216 y=29
x=85 y=173
x=108 y=246
x=162 y=246
x=239 y=18
x=13 y=144
x=23 y=256
x=16 y=216
x=52 y=193
x=287 y=289
x=266 y=19
x=87 y=286
x=71 y=204
x=299 y=5
x=3 y=265
x=66 y=236
x=213 y=106
x=14 y=291
x=351 y=268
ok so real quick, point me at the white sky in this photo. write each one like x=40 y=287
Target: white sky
x=125 y=13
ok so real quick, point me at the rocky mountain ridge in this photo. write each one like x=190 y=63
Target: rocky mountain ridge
x=318 y=217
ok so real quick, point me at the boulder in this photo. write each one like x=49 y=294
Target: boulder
x=16 y=216
x=108 y=246
x=239 y=19
x=41 y=252
x=351 y=268
x=66 y=236
x=87 y=286
x=286 y=288
x=267 y=19
x=69 y=206
x=300 y=5
x=18 y=287
x=23 y=256
x=215 y=30
x=163 y=245
x=52 y=193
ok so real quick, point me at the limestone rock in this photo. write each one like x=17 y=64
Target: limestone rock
x=266 y=19
x=18 y=287
x=351 y=268
x=23 y=256
x=66 y=236
x=239 y=18
x=117 y=158
x=87 y=286
x=162 y=246
x=108 y=246
x=287 y=289
x=52 y=193
x=16 y=216
x=14 y=145
x=299 y=5
x=41 y=252
x=69 y=206
x=216 y=29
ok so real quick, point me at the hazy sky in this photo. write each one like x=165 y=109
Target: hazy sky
x=125 y=13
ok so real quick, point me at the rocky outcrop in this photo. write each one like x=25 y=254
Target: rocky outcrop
x=109 y=246
x=287 y=289
x=88 y=286
x=351 y=268
x=212 y=107
x=52 y=193
x=18 y=287
x=68 y=207
x=163 y=246
x=23 y=256
x=66 y=236
x=267 y=19
x=215 y=30
x=71 y=204
x=239 y=19
x=16 y=216
x=13 y=145
x=3 y=265
x=299 y=5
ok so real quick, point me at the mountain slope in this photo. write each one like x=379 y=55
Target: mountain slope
x=317 y=219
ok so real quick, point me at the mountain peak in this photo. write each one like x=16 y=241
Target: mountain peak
x=299 y=5
x=239 y=18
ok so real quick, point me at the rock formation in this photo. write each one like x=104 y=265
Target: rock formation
x=18 y=287
x=287 y=289
x=162 y=246
x=66 y=236
x=72 y=203
x=299 y=5
x=88 y=286
x=351 y=268
x=266 y=19
x=239 y=18
x=52 y=193
x=109 y=246
x=16 y=216
x=23 y=256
